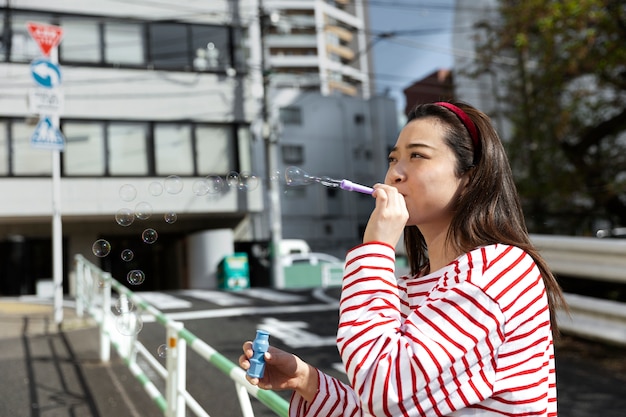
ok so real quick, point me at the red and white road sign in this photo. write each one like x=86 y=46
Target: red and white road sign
x=46 y=36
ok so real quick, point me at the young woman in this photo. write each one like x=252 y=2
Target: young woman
x=469 y=331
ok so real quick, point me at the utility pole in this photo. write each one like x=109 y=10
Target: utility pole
x=270 y=140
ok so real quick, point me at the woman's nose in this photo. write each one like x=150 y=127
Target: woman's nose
x=395 y=175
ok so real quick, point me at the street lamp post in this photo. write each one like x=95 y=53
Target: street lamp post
x=270 y=140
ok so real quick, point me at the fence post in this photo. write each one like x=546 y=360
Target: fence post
x=80 y=276
x=176 y=364
x=105 y=324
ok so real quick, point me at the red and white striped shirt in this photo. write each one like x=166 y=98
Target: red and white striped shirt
x=471 y=339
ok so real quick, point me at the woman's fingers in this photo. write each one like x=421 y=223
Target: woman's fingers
x=389 y=216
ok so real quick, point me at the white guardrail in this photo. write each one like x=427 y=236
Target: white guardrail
x=93 y=296
x=590 y=258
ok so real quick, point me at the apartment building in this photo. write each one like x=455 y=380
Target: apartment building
x=318 y=45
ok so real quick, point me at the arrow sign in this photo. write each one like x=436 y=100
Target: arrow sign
x=46 y=36
x=47 y=136
x=45 y=73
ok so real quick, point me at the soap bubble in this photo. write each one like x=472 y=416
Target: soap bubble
x=135 y=277
x=127 y=255
x=170 y=217
x=276 y=176
x=200 y=187
x=101 y=248
x=128 y=192
x=215 y=184
x=143 y=210
x=149 y=236
x=162 y=351
x=129 y=324
x=125 y=217
x=248 y=182
x=123 y=305
x=155 y=188
x=173 y=184
x=232 y=179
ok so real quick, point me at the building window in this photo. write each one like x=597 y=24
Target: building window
x=214 y=149
x=84 y=152
x=111 y=148
x=81 y=40
x=168 y=45
x=292 y=154
x=123 y=44
x=27 y=160
x=127 y=149
x=173 y=150
x=290 y=115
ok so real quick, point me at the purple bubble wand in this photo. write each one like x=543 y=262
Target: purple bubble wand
x=296 y=176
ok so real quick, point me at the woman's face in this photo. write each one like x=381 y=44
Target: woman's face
x=422 y=168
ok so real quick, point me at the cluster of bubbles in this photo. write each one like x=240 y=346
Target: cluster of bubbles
x=128 y=321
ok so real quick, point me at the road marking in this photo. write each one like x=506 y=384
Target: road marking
x=272 y=295
x=292 y=333
x=319 y=294
x=164 y=301
x=242 y=311
x=220 y=298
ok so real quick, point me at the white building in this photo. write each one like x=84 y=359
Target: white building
x=150 y=91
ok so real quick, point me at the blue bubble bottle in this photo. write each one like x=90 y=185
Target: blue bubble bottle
x=260 y=345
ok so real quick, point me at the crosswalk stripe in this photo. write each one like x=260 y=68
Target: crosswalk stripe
x=268 y=294
x=163 y=301
x=220 y=298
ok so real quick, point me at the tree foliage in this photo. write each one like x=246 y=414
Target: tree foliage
x=564 y=70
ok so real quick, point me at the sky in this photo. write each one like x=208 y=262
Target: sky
x=420 y=45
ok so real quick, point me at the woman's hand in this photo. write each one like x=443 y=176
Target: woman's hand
x=387 y=221
x=283 y=371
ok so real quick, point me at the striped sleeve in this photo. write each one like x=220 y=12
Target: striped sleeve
x=438 y=359
x=333 y=399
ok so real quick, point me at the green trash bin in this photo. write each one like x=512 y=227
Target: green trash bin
x=233 y=272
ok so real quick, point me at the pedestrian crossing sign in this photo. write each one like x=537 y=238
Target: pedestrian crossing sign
x=47 y=136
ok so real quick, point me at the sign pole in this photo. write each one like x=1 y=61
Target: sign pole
x=57 y=225
x=48 y=135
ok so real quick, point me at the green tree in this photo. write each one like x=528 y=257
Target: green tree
x=565 y=97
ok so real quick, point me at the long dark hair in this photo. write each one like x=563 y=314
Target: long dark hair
x=488 y=210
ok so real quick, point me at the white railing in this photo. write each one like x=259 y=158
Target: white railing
x=590 y=258
x=93 y=297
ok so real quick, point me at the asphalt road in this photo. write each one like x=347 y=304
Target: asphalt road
x=591 y=377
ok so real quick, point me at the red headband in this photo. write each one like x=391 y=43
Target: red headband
x=465 y=119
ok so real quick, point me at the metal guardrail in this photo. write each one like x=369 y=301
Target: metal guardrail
x=93 y=296
x=590 y=258
x=584 y=257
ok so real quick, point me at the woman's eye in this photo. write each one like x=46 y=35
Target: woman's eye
x=390 y=159
x=416 y=155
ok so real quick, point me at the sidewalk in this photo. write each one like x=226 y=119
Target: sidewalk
x=49 y=371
